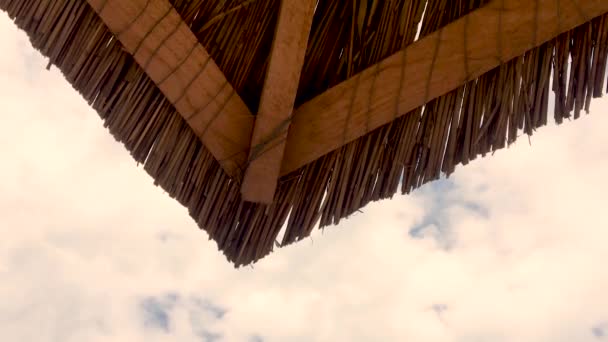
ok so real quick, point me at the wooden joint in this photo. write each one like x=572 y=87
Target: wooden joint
x=278 y=97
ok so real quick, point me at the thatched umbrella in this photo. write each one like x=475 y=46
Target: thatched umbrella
x=263 y=114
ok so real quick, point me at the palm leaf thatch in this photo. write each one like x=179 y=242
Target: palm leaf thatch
x=388 y=95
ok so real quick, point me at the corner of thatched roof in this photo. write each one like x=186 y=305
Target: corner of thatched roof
x=390 y=95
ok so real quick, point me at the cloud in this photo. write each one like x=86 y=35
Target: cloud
x=157 y=312
x=600 y=331
x=92 y=251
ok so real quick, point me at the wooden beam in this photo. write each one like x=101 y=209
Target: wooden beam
x=433 y=66
x=171 y=55
x=277 y=101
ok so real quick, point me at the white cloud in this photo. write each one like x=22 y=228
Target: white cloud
x=512 y=248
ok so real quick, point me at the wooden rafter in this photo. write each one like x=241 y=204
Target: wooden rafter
x=427 y=69
x=278 y=96
x=468 y=123
x=171 y=55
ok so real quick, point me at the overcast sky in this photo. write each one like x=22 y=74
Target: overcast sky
x=511 y=248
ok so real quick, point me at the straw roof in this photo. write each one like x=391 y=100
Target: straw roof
x=259 y=115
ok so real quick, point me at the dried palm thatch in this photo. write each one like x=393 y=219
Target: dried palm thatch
x=388 y=95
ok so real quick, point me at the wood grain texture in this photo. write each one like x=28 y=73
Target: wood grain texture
x=434 y=66
x=167 y=50
x=276 y=104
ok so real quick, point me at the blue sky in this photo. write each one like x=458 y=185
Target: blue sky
x=511 y=248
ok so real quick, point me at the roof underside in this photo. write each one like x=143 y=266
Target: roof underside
x=397 y=132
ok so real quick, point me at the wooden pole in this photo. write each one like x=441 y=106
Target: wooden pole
x=277 y=101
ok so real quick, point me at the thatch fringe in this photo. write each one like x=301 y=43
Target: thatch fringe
x=482 y=116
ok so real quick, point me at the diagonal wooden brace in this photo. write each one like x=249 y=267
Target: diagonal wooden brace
x=164 y=46
x=431 y=67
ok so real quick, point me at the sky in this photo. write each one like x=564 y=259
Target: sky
x=510 y=248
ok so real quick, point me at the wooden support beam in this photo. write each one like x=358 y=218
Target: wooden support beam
x=277 y=101
x=171 y=55
x=427 y=69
